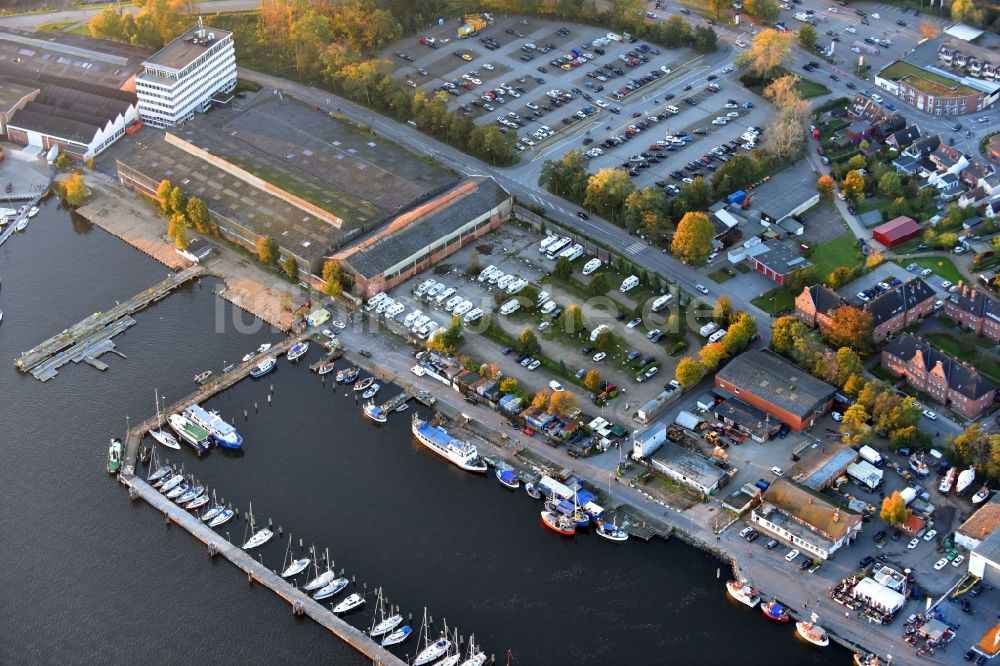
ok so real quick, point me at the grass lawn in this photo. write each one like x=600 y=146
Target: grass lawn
x=963 y=347
x=809 y=88
x=722 y=275
x=942 y=266
x=775 y=301
x=841 y=251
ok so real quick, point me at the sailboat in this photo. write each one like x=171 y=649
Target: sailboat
x=397 y=636
x=197 y=502
x=476 y=656
x=162 y=436
x=172 y=483
x=965 y=480
x=259 y=538
x=224 y=517
x=385 y=624
x=432 y=651
x=332 y=588
x=319 y=581
x=158 y=473
x=296 y=566
x=454 y=653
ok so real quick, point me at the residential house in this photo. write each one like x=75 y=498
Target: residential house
x=898 y=308
x=974 y=311
x=805 y=519
x=815 y=305
x=903 y=138
x=886 y=127
x=938 y=375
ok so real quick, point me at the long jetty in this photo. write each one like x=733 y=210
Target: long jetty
x=74 y=343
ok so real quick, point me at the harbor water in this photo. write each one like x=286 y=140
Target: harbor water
x=88 y=577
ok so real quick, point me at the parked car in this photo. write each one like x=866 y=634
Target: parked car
x=792 y=554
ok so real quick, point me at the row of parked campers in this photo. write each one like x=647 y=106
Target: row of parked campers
x=514 y=304
x=712 y=331
x=445 y=297
x=416 y=322
x=554 y=247
x=505 y=282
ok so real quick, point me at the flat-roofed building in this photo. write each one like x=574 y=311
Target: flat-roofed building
x=979 y=525
x=687 y=468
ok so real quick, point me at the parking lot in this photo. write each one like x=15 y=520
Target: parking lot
x=891 y=275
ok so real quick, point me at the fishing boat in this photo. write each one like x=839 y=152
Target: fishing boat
x=197 y=503
x=611 y=532
x=179 y=490
x=190 y=494
x=918 y=465
x=532 y=491
x=374 y=412
x=348 y=375
x=948 y=481
x=171 y=483
x=965 y=479
x=812 y=632
x=33 y=211
x=866 y=659
x=370 y=393
x=263 y=348
x=296 y=567
x=558 y=523
x=223 y=433
x=452 y=449
x=114 y=456
x=476 y=657
x=298 y=350
x=775 y=611
x=193 y=435
x=319 y=581
x=145 y=454
x=981 y=496
x=349 y=604
x=397 y=636
x=325 y=368
x=743 y=593
x=264 y=367
x=508 y=478
x=224 y=517
x=331 y=588
x=259 y=539
x=386 y=626
x=363 y=384
x=202 y=377
x=158 y=473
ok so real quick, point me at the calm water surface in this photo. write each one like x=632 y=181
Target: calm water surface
x=88 y=577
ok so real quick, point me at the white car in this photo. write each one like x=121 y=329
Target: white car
x=532 y=106
x=599 y=356
x=702 y=288
x=665 y=69
x=654 y=333
x=634 y=322
x=930 y=535
x=329 y=334
x=926 y=272
x=876 y=16
x=945 y=284
x=556 y=386
x=851 y=29
x=777 y=471
x=862 y=296
x=488 y=66
x=792 y=554
x=958 y=561
x=720 y=121
x=931 y=415
x=534 y=365
x=941 y=564
x=914 y=542
x=837 y=416
x=543 y=326
x=601 y=103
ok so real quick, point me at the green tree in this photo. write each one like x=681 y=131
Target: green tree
x=736 y=174
x=604 y=341
x=474 y=263
x=333 y=278
x=688 y=372
x=785 y=331
x=606 y=193
x=641 y=204
x=857 y=161
x=840 y=277
x=692 y=242
x=565 y=177
x=599 y=284
x=722 y=313
x=848 y=365
x=64 y=161
x=197 y=213
x=572 y=319
x=890 y=185
x=267 y=250
x=801 y=278
x=74 y=190
x=765 y=11
x=527 y=343
x=163 y=196
x=563 y=268
x=292 y=267
x=453 y=334
x=704 y=38
x=894 y=511
x=807 y=36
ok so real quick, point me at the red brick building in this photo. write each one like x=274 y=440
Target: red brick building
x=815 y=304
x=768 y=382
x=974 y=311
x=943 y=378
x=891 y=312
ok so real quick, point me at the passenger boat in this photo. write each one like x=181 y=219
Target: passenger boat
x=948 y=481
x=918 y=465
x=263 y=348
x=179 y=490
x=363 y=384
x=532 y=491
x=866 y=659
x=432 y=652
x=370 y=393
x=775 y=611
x=202 y=377
x=197 y=502
x=172 y=483
x=386 y=626
x=259 y=539
x=965 y=479
x=190 y=494
x=397 y=636
x=508 y=478
x=193 y=435
x=349 y=604
x=296 y=567
x=298 y=350
x=223 y=433
x=981 y=496
x=33 y=211
x=212 y=512
x=325 y=368
x=158 y=473
x=558 y=523
x=319 y=581
x=374 y=412
x=611 y=532
x=812 y=632
x=452 y=449
x=264 y=367
x=348 y=375
x=224 y=517
x=114 y=456
x=743 y=593
x=331 y=588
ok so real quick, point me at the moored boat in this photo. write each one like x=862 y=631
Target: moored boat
x=223 y=433
x=178 y=490
x=259 y=539
x=981 y=496
x=397 y=636
x=190 y=494
x=264 y=367
x=197 y=502
x=33 y=211
x=330 y=589
x=296 y=567
x=812 y=632
x=114 y=456
x=508 y=478
x=248 y=356
x=432 y=652
x=158 y=473
x=224 y=517
x=21 y=225
x=611 y=532
x=775 y=611
x=298 y=350
x=349 y=604
x=363 y=384
x=172 y=483
x=476 y=657
x=325 y=368
x=319 y=581
x=165 y=438
x=452 y=449
x=263 y=348
x=866 y=659
x=558 y=523
x=965 y=479
x=202 y=377
x=386 y=626
x=374 y=412
x=193 y=435
x=948 y=481
x=211 y=512
x=532 y=491
x=743 y=593
x=348 y=375
x=370 y=393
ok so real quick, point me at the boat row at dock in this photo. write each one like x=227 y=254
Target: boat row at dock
x=810 y=631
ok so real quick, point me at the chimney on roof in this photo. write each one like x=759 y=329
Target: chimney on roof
x=836 y=515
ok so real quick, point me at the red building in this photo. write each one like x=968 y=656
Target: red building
x=897 y=231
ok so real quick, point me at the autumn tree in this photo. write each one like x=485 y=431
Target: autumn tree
x=107 y=25
x=768 y=50
x=592 y=381
x=712 y=355
x=786 y=134
x=692 y=242
x=928 y=30
x=715 y=7
x=163 y=196
x=807 y=36
x=333 y=278
x=527 y=343
x=604 y=340
x=742 y=328
x=509 y=385
x=785 y=331
x=854 y=427
x=541 y=399
x=197 y=214
x=562 y=402
x=850 y=327
x=857 y=161
x=291 y=267
x=267 y=250
x=178 y=201
x=572 y=319
x=894 y=511
x=965 y=11
x=979 y=449
x=74 y=190
x=853 y=185
x=765 y=11
x=840 y=277
x=177 y=229
x=723 y=311
x=606 y=193
x=824 y=185
x=688 y=372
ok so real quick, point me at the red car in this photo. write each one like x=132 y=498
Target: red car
x=528 y=431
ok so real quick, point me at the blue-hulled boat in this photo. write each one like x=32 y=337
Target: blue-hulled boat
x=264 y=367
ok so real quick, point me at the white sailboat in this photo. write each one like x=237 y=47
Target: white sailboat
x=431 y=651
x=331 y=589
x=162 y=436
x=476 y=656
x=320 y=580
x=454 y=653
x=385 y=624
x=965 y=480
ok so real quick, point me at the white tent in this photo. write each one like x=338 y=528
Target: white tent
x=870 y=591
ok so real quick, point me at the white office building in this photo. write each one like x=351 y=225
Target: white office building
x=185 y=75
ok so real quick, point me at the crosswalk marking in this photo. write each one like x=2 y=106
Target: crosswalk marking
x=635 y=248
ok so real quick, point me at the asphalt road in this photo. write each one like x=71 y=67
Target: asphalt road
x=30 y=22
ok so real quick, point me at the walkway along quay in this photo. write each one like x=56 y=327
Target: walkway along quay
x=301 y=602
x=43 y=361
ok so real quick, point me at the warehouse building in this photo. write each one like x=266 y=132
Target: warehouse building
x=805 y=519
x=897 y=231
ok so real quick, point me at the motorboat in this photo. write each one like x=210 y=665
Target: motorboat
x=172 y=483
x=298 y=350
x=223 y=433
x=349 y=604
x=192 y=434
x=319 y=581
x=348 y=375
x=374 y=412
x=386 y=626
x=558 y=523
x=190 y=494
x=202 y=377
x=948 y=481
x=325 y=368
x=866 y=659
x=775 y=611
x=331 y=588
x=165 y=438
x=432 y=652
x=403 y=407
x=197 y=502
x=264 y=367
x=363 y=384
x=743 y=593
x=981 y=496
x=179 y=490
x=611 y=532
x=224 y=517
x=918 y=465
x=532 y=491
x=248 y=356
x=263 y=348
x=452 y=449
x=397 y=636
x=965 y=479
x=296 y=567
x=370 y=393
x=158 y=473
x=812 y=632
x=114 y=456
x=21 y=225
x=259 y=539
x=33 y=211
x=508 y=478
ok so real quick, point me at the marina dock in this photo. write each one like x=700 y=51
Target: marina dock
x=90 y=337
x=301 y=602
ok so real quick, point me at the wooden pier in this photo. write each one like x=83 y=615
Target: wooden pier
x=43 y=360
x=301 y=602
